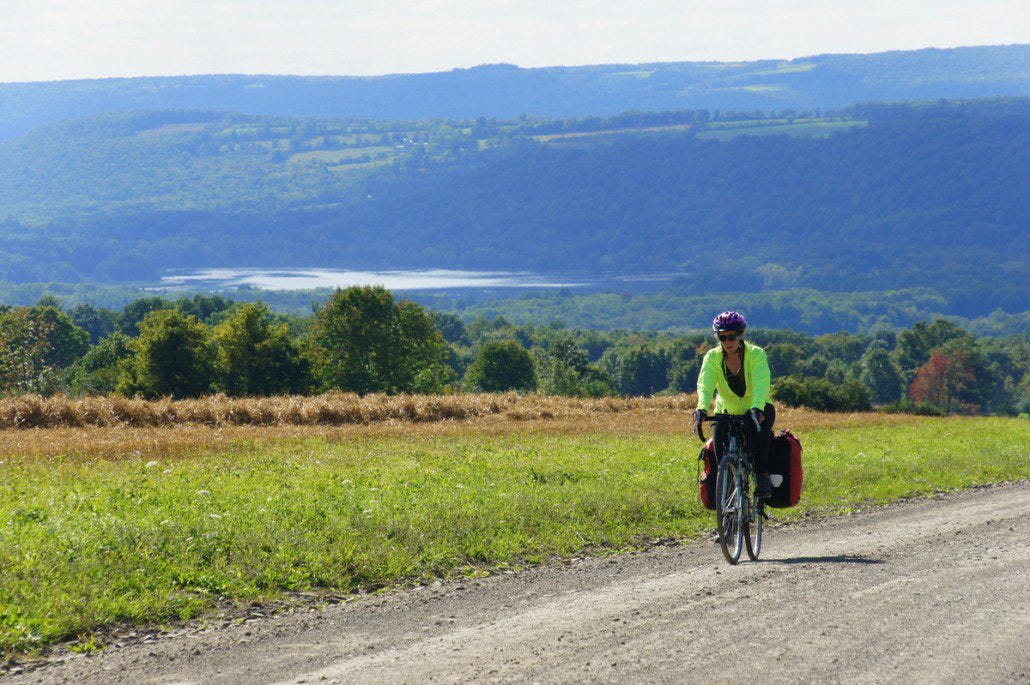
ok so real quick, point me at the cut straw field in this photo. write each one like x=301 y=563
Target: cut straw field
x=126 y=522
x=114 y=427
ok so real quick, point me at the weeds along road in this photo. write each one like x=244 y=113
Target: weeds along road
x=927 y=591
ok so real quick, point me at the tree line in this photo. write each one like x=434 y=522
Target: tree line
x=364 y=340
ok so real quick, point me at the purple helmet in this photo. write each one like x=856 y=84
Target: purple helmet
x=729 y=321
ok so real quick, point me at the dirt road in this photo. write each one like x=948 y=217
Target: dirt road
x=926 y=591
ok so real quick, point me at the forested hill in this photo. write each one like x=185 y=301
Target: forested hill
x=903 y=196
x=822 y=81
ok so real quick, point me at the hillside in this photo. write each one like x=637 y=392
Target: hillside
x=506 y=91
x=900 y=196
x=195 y=160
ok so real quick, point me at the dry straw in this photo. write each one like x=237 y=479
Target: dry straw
x=333 y=409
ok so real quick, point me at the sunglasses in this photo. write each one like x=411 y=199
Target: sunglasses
x=730 y=337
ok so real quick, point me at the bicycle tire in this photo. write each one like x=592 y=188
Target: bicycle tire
x=727 y=509
x=753 y=529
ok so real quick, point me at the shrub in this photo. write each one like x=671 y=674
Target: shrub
x=821 y=394
x=907 y=406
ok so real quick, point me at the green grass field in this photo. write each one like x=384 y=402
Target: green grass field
x=330 y=156
x=801 y=129
x=88 y=543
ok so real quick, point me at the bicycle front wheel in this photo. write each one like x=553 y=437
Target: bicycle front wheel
x=753 y=531
x=728 y=509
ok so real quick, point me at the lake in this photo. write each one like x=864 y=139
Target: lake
x=401 y=279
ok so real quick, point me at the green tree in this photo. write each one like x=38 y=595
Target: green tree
x=173 y=356
x=99 y=323
x=23 y=351
x=502 y=365
x=564 y=369
x=683 y=375
x=686 y=357
x=836 y=371
x=257 y=357
x=881 y=376
x=450 y=326
x=1003 y=364
x=642 y=370
x=784 y=358
x=66 y=341
x=815 y=366
x=204 y=307
x=565 y=350
x=98 y=371
x=134 y=312
x=843 y=346
x=35 y=344
x=364 y=341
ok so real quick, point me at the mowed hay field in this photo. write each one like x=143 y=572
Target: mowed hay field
x=108 y=523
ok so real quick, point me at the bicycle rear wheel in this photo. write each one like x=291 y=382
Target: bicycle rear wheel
x=728 y=509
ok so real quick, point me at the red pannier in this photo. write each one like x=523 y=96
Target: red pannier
x=785 y=460
x=707 y=469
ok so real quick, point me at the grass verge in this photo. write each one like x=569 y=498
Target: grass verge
x=86 y=543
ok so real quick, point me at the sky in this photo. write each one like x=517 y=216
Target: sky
x=44 y=40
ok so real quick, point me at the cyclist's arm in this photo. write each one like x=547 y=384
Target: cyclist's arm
x=706 y=381
x=760 y=378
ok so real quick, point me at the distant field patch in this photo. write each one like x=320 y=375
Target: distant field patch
x=632 y=74
x=814 y=130
x=551 y=137
x=172 y=129
x=337 y=156
x=358 y=166
x=786 y=68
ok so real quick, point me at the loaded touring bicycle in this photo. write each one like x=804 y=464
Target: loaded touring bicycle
x=729 y=478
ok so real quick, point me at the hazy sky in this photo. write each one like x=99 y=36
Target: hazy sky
x=43 y=40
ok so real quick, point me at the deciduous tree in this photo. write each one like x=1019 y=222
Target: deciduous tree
x=364 y=341
x=173 y=356
x=502 y=365
x=257 y=357
x=35 y=343
x=942 y=380
x=881 y=376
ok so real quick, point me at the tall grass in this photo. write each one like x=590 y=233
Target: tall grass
x=89 y=542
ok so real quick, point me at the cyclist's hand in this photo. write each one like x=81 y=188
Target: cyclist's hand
x=758 y=417
x=698 y=416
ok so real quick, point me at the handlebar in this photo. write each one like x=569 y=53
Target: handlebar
x=719 y=418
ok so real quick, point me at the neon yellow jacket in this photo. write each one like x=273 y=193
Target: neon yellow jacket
x=712 y=381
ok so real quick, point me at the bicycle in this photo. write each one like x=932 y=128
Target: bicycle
x=739 y=514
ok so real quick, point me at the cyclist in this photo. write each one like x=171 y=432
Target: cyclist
x=737 y=374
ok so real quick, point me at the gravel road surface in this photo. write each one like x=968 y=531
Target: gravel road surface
x=934 y=590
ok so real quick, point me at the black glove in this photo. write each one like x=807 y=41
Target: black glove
x=758 y=417
x=698 y=415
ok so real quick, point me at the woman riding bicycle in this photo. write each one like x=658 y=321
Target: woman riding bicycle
x=737 y=374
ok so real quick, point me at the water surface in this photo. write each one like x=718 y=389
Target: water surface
x=401 y=279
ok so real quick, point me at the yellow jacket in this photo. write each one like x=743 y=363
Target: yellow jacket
x=712 y=381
